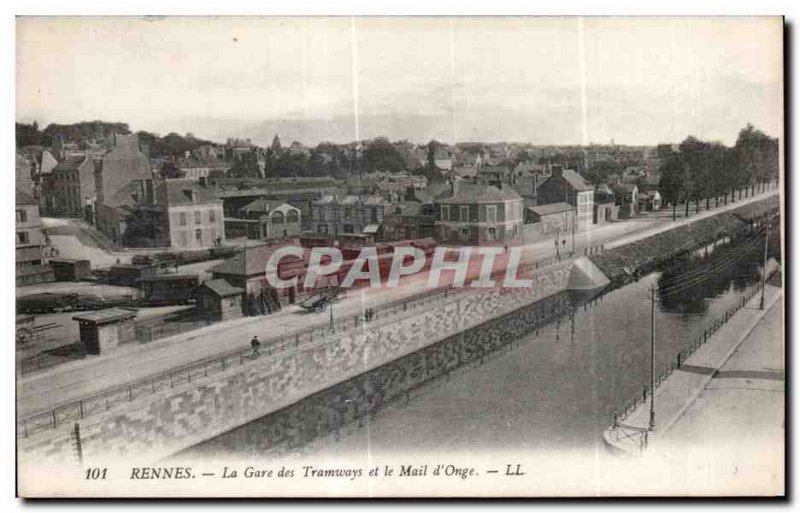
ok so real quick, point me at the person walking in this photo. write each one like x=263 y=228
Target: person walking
x=256 y=345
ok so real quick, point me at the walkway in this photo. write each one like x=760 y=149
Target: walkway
x=678 y=393
x=733 y=435
x=77 y=380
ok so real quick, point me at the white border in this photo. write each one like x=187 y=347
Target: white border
x=319 y=7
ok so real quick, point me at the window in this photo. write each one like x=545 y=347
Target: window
x=292 y=217
x=374 y=215
x=491 y=234
x=182 y=219
x=463 y=213
x=445 y=212
x=198 y=235
x=348 y=228
x=184 y=241
x=348 y=213
x=198 y=217
x=22 y=216
x=22 y=238
x=323 y=228
x=276 y=217
x=212 y=218
x=491 y=213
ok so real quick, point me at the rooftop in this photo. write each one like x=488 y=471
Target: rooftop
x=222 y=288
x=72 y=163
x=256 y=259
x=105 y=316
x=550 y=208
x=472 y=193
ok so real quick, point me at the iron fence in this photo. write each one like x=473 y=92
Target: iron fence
x=76 y=410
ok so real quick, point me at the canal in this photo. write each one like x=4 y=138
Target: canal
x=558 y=385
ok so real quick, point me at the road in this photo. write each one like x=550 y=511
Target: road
x=73 y=381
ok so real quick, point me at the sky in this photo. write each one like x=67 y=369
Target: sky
x=537 y=80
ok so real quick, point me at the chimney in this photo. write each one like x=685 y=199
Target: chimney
x=455 y=186
x=148 y=191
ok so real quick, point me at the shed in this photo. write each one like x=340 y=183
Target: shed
x=103 y=330
x=68 y=269
x=220 y=300
x=169 y=289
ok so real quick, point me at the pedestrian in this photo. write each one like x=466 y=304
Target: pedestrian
x=255 y=344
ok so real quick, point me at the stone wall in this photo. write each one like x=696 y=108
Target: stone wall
x=325 y=412
x=156 y=425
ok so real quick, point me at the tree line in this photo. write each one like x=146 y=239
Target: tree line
x=701 y=170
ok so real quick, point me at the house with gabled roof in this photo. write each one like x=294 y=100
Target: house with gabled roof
x=565 y=185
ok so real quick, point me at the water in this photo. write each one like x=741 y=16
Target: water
x=558 y=386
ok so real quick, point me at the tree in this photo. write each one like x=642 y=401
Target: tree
x=600 y=171
x=246 y=167
x=28 y=135
x=758 y=155
x=694 y=153
x=381 y=155
x=170 y=170
x=289 y=165
x=671 y=184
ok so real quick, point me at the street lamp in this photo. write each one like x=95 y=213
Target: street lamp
x=652 y=423
x=764 y=270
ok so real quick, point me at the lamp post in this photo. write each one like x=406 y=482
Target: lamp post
x=330 y=310
x=764 y=270
x=652 y=423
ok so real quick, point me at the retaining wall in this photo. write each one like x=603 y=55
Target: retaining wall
x=158 y=425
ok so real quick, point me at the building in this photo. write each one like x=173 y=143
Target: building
x=409 y=220
x=495 y=176
x=181 y=214
x=122 y=165
x=479 y=214
x=103 y=330
x=627 y=199
x=24 y=174
x=552 y=221
x=68 y=269
x=565 y=185
x=443 y=159
x=333 y=216
x=201 y=168
x=220 y=301
x=264 y=219
x=30 y=267
x=649 y=201
x=605 y=208
x=70 y=188
x=247 y=270
x=192 y=214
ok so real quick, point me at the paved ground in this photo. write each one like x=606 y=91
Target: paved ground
x=733 y=434
x=76 y=380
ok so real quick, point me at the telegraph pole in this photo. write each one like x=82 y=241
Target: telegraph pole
x=764 y=273
x=330 y=308
x=652 y=357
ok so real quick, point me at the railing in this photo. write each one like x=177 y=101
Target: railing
x=623 y=433
x=77 y=410
x=689 y=348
